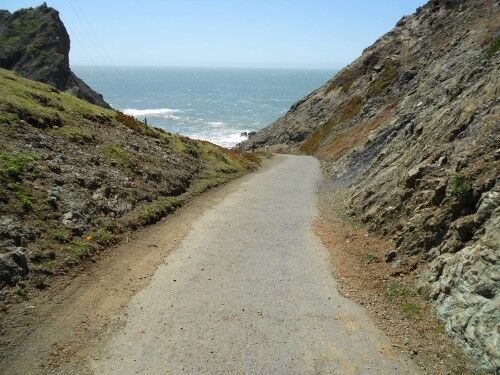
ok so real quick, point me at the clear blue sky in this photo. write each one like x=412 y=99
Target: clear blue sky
x=223 y=33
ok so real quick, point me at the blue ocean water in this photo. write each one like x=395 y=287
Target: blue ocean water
x=211 y=104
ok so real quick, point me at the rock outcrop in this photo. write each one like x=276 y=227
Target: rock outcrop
x=35 y=44
x=412 y=129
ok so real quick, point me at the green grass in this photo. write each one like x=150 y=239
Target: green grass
x=410 y=309
x=21 y=200
x=396 y=289
x=75 y=134
x=13 y=164
x=78 y=250
x=42 y=106
x=25 y=198
x=115 y=152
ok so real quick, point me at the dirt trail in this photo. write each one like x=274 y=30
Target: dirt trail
x=234 y=283
x=250 y=291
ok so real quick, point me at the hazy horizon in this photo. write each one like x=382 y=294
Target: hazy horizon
x=318 y=34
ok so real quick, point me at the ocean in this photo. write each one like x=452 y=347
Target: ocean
x=211 y=104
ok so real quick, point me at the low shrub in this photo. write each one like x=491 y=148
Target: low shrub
x=461 y=187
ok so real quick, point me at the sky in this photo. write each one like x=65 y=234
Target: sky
x=301 y=34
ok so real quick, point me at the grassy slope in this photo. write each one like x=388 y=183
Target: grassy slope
x=32 y=111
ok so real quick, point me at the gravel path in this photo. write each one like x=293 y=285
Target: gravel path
x=250 y=291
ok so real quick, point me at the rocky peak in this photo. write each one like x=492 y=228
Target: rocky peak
x=35 y=44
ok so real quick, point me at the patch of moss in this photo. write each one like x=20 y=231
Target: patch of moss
x=104 y=237
x=21 y=200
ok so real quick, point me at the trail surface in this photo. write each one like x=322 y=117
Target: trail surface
x=250 y=291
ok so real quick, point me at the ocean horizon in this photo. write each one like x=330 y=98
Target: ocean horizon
x=213 y=104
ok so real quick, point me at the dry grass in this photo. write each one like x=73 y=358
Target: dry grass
x=344 y=79
x=353 y=136
x=349 y=111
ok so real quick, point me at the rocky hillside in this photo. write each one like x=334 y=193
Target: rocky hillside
x=35 y=44
x=411 y=129
x=76 y=178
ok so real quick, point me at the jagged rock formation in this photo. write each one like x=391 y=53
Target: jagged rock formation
x=412 y=129
x=35 y=44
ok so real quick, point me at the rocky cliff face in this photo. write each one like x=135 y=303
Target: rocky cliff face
x=412 y=129
x=35 y=44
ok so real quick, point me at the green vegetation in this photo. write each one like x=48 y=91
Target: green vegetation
x=397 y=289
x=21 y=200
x=115 y=152
x=410 y=309
x=25 y=25
x=461 y=187
x=388 y=75
x=25 y=198
x=78 y=250
x=13 y=165
x=75 y=134
x=61 y=236
x=156 y=210
x=494 y=47
x=33 y=108
x=104 y=237
x=369 y=258
x=43 y=106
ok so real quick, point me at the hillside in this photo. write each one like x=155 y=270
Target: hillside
x=411 y=131
x=76 y=178
x=35 y=44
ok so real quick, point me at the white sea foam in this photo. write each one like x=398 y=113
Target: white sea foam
x=151 y=112
x=217 y=124
x=225 y=140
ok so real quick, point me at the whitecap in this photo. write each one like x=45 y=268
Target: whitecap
x=152 y=112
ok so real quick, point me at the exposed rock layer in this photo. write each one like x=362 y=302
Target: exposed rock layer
x=35 y=44
x=412 y=128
